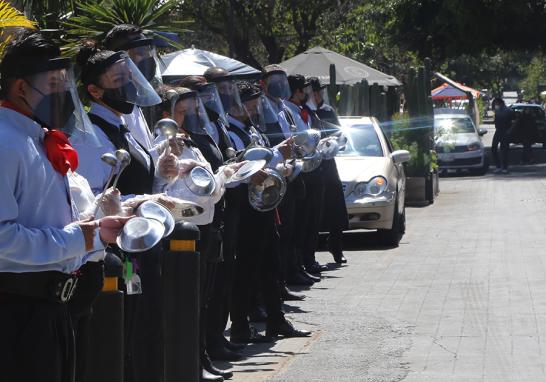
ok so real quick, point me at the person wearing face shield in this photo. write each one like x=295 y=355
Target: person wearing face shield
x=309 y=213
x=183 y=105
x=317 y=100
x=256 y=263
x=43 y=245
x=277 y=90
x=140 y=48
x=115 y=87
x=335 y=219
x=209 y=96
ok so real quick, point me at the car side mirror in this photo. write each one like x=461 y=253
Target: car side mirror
x=400 y=156
x=482 y=132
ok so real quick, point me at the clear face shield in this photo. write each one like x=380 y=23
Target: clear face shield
x=189 y=113
x=125 y=83
x=261 y=113
x=308 y=90
x=55 y=102
x=144 y=55
x=276 y=86
x=210 y=98
x=231 y=99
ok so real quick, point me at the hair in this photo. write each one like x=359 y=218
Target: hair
x=27 y=46
x=121 y=35
x=166 y=93
x=192 y=82
x=215 y=72
x=498 y=101
x=296 y=82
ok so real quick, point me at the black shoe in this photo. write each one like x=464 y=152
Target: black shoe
x=316 y=268
x=231 y=346
x=315 y=279
x=209 y=377
x=221 y=353
x=258 y=314
x=249 y=336
x=286 y=295
x=284 y=328
x=299 y=279
x=208 y=366
x=339 y=258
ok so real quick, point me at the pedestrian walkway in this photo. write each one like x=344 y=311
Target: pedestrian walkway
x=462 y=299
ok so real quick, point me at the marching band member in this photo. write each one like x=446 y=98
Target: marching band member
x=42 y=245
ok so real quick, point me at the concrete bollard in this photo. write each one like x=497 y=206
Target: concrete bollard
x=180 y=299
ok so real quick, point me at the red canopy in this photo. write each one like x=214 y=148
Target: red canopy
x=448 y=92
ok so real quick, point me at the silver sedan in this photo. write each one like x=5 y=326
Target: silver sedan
x=373 y=179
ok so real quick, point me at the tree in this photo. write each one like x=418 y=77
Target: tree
x=94 y=19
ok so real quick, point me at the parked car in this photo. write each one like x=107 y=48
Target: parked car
x=373 y=178
x=458 y=143
x=518 y=135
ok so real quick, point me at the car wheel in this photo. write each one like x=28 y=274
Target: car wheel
x=391 y=237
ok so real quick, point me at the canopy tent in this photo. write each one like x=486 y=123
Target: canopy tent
x=316 y=62
x=188 y=62
x=450 y=92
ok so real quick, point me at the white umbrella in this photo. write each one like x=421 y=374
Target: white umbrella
x=193 y=61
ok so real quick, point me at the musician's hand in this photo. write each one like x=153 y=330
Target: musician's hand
x=285 y=148
x=177 y=145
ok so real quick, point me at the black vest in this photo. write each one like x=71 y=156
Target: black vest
x=224 y=141
x=243 y=136
x=274 y=134
x=209 y=149
x=137 y=178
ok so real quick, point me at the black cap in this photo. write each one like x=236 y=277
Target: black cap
x=297 y=81
x=315 y=84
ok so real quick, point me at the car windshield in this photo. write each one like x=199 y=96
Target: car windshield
x=448 y=125
x=362 y=140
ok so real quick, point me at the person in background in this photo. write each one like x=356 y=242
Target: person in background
x=335 y=219
x=503 y=122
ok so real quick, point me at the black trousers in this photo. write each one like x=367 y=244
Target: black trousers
x=501 y=138
x=221 y=295
x=288 y=257
x=80 y=307
x=256 y=266
x=36 y=341
x=309 y=215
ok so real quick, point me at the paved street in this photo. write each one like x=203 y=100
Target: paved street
x=462 y=299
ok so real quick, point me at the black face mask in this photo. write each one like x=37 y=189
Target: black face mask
x=147 y=67
x=226 y=101
x=192 y=125
x=274 y=89
x=54 y=110
x=212 y=114
x=116 y=98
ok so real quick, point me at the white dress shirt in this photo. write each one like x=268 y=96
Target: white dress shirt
x=91 y=166
x=36 y=233
x=179 y=189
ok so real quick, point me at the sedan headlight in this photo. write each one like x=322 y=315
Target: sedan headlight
x=374 y=187
x=474 y=146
